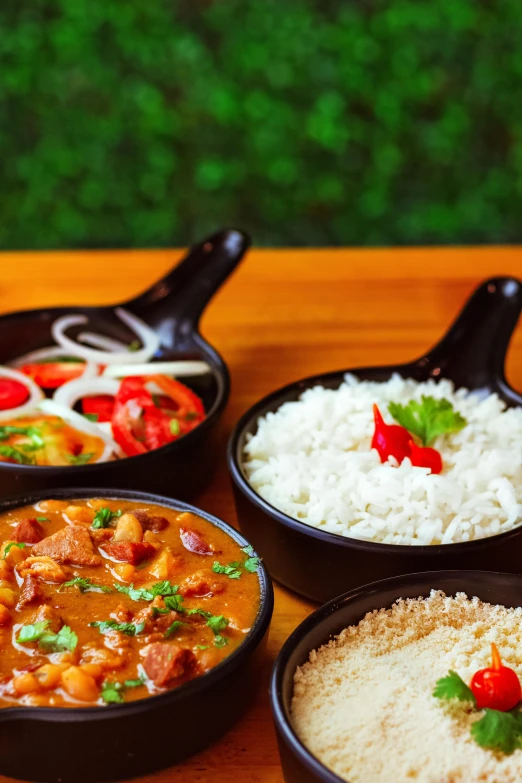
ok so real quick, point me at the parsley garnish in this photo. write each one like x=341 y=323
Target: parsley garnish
x=85 y=585
x=231 y=570
x=17 y=455
x=148 y=593
x=80 y=459
x=33 y=433
x=104 y=517
x=428 y=419
x=252 y=561
x=220 y=641
x=174 y=603
x=10 y=545
x=65 y=639
x=130 y=629
x=173 y=627
x=43 y=519
x=112 y=692
x=453 y=687
x=201 y=646
x=499 y=731
x=216 y=623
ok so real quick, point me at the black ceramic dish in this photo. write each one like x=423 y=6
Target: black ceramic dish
x=173 y=307
x=128 y=740
x=321 y=565
x=299 y=765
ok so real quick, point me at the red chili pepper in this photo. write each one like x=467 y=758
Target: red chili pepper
x=390 y=440
x=497 y=687
x=12 y=394
x=100 y=405
x=51 y=375
x=425 y=457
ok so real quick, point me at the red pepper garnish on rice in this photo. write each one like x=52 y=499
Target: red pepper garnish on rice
x=390 y=440
x=425 y=457
x=497 y=687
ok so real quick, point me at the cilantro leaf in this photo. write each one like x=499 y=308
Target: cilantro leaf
x=34 y=433
x=499 y=731
x=111 y=692
x=32 y=633
x=231 y=570
x=130 y=629
x=174 y=603
x=429 y=418
x=251 y=564
x=453 y=687
x=104 y=517
x=217 y=623
x=148 y=593
x=10 y=545
x=248 y=550
x=173 y=627
x=43 y=519
x=80 y=459
x=16 y=455
x=65 y=639
x=220 y=641
x=134 y=683
x=202 y=612
x=201 y=646
x=85 y=585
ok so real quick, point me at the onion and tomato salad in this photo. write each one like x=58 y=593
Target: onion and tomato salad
x=94 y=398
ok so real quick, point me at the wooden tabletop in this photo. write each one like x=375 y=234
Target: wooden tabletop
x=283 y=315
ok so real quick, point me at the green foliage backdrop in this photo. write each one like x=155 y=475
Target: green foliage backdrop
x=152 y=122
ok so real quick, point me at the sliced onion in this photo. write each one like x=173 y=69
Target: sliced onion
x=101 y=341
x=69 y=394
x=40 y=354
x=178 y=369
x=77 y=421
x=35 y=394
x=148 y=337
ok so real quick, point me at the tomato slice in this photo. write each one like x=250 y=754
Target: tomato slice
x=51 y=375
x=188 y=403
x=12 y=394
x=100 y=405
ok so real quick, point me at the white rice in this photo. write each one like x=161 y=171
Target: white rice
x=312 y=459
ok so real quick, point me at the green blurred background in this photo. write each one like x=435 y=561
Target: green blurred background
x=306 y=122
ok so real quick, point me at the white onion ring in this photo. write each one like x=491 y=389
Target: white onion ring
x=35 y=394
x=178 y=369
x=37 y=356
x=69 y=394
x=77 y=421
x=148 y=337
x=101 y=341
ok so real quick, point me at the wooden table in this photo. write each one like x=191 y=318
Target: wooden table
x=285 y=314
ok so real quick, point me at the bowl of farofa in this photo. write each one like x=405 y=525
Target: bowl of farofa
x=328 y=514
x=352 y=690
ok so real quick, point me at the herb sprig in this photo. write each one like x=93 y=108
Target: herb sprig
x=85 y=585
x=106 y=626
x=235 y=569
x=65 y=639
x=164 y=588
x=429 y=418
x=113 y=692
x=104 y=517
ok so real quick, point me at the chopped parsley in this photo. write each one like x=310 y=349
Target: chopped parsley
x=216 y=623
x=80 y=459
x=33 y=433
x=16 y=455
x=85 y=585
x=106 y=626
x=428 y=419
x=43 y=519
x=112 y=692
x=10 y=545
x=65 y=639
x=174 y=603
x=234 y=570
x=201 y=646
x=148 y=593
x=220 y=641
x=104 y=517
x=173 y=627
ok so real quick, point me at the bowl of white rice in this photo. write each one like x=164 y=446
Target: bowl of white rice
x=328 y=513
x=352 y=690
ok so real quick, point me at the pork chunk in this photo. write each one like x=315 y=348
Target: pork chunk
x=201 y=584
x=166 y=661
x=28 y=531
x=71 y=545
x=32 y=592
x=44 y=568
x=150 y=521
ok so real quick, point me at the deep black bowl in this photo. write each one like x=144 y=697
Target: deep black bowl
x=299 y=765
x=96 y=744
x=320 y=565
x=173 y=307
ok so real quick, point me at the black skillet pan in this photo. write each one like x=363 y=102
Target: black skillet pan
x=114 y=742
x=320 y=565
x=173 y=307
x=299 y=765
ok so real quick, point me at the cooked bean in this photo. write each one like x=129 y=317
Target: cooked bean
x=79 y=514
x=26 y=683
x=163 y=565
x=79 y=684
x=128 y=529
x=125 y=571
x=7 y=597
x=94 y=670
x=51 y=505
x=50 y=674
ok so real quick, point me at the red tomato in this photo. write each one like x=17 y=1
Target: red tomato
x=12 y=394
x=51 y=375
x=497 y=687
x=101 y=405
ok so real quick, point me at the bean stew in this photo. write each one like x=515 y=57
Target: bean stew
x=107 y=601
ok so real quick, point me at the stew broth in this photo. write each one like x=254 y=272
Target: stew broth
x=107 y=601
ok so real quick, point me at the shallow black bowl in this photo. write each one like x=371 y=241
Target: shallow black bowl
x=319 y=564
x=173 y=307
x=299 y=765
x=96 y=744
